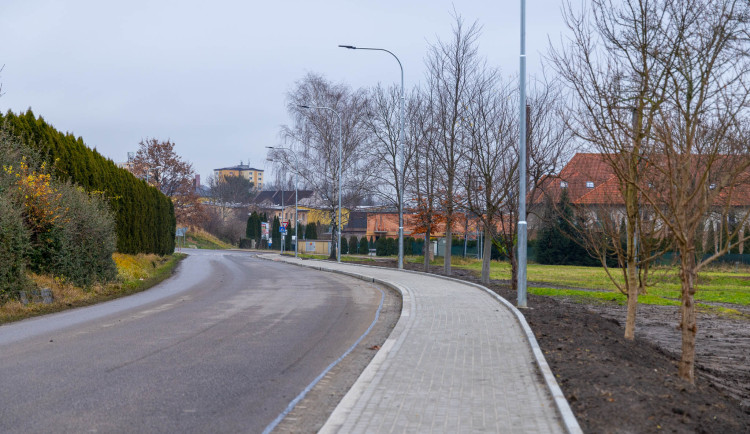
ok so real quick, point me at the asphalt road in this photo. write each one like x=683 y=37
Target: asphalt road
x=223 y=346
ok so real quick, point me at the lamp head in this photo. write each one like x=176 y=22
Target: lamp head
x=304 y=106
x=351 y=47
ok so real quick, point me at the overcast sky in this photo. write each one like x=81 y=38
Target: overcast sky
x=212 y=76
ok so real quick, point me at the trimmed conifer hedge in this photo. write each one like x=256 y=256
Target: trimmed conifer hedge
x=145 y=221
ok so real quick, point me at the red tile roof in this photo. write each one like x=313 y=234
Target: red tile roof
x=589 y=178
x=586 y=168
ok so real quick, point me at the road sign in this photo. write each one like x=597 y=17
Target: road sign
x=285 y=225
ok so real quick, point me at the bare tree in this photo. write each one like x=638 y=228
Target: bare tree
x=451 y=67
x=228 y=193
x=619 y=86
x=699 y=159
x=662 y=91
x=157 y=162
x=422 y=186
x=548 y=142
x=384 y=127
x=314 y=137
x=492 y=162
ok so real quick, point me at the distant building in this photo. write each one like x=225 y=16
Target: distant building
x=280 y=203
x=253 y=175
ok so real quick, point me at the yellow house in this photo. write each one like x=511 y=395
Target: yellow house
x=251 y=174
x=323 y=217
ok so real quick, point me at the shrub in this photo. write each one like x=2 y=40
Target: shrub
x=246 y=243
x=409 y=245
x=311 y=231
x=391 y=245
x=381 y=246
x=14 y=244
x=344 y=246
x=353 y=244
x=288 y=239
x=364 y=246
x=81 y=243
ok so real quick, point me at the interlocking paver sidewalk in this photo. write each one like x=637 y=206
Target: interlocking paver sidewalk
x=458 y=360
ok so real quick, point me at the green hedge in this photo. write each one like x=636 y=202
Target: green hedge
x=144 y=217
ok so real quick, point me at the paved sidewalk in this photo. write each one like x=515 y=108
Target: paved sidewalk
x=458 y=360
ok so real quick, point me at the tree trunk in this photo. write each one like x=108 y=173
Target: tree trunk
x=487 y=255
x=688 y=323
x=448 y=244
x=334 y=237
x=632 y=302
x=631 y=282
x=513 y=269
x=643 y=278
x=427 y=251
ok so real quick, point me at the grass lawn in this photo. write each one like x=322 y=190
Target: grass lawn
x=344 y=258
x=201 y=239
x=717 y=284
x=135 y=273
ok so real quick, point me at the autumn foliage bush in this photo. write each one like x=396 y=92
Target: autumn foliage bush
x=49 y=226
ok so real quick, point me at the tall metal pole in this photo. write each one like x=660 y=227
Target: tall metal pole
x=305 y=106
x=338 y=242
x=400 y=182
x=296 y=198
x=282 y=219
x=522 y=168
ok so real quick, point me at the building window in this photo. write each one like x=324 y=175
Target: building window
x=563 y=184
x=589 y=184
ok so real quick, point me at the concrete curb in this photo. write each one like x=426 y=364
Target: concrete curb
x=563 y=408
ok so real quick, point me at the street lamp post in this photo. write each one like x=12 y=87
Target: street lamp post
x=296 y=198
x=399 y=183
x=522 y=168
x=338 y=244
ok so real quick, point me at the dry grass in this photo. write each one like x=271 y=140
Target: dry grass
x=204 y=240
x=135 y=273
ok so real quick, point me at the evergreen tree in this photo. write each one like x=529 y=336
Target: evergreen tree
x=288 y=238
x=275 y=234
x=556 y=243
x=144 y=217
x=409 y=246
x=381 y=246
x=353 y=244
x=344 y=246
x=253 y=226
x=311 y=231
x=364 y=246
x=391 y=246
